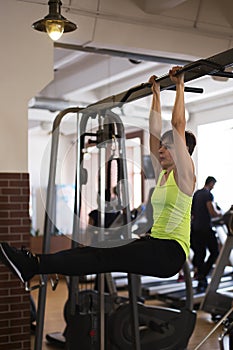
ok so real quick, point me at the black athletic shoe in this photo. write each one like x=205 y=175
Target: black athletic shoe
x=20 y=261
x=202 y=285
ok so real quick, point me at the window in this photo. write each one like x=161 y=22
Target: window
x=215 y=147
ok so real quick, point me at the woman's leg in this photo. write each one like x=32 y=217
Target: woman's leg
x=155 y=257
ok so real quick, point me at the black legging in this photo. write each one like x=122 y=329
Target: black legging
x=144 y=256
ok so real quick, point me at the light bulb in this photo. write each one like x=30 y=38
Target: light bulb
x=55 y=29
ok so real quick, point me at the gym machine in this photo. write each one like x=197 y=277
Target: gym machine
x=109 y=139
x=110 y=131
x=214 y=65
x=218 y=301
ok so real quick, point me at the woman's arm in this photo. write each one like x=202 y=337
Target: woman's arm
x=178 y=114
x=155 y=125
x=184 y=173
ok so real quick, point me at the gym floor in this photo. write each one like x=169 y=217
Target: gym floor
x=54 y=320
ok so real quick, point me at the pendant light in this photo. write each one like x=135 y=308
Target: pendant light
x=54 y=23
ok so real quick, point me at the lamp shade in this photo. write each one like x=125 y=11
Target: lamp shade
x=41 y=24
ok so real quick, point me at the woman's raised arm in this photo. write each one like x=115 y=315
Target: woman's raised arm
x=155 y=125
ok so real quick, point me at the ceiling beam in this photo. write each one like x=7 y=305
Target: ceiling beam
x=158 y=6
x=126 y=54
x=226 y=7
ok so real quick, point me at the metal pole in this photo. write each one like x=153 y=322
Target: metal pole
x=102 y=170
x=49 y=224
x=214 y=329
x=132 y=279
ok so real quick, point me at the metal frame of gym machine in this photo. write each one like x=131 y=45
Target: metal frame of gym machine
x=80 y=179
x=214 y=65
x=216 y=301
x=107 y=121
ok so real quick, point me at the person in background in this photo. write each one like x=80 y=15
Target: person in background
x=203 y=236
x=94 y=220
x=111 y=211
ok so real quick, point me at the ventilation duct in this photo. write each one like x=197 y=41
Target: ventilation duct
x=50 y=104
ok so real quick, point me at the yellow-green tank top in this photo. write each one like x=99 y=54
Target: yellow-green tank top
x=171 y=212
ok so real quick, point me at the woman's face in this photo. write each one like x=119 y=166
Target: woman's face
x=165 y=154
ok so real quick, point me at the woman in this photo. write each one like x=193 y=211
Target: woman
x=165 y=250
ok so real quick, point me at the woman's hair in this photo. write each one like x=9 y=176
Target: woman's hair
x=189 y=138
x=190 y=141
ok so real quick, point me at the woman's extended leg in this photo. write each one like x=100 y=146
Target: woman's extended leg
x=155 y=257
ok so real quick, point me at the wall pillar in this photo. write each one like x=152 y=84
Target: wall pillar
x=26 y=67
x=14 y=228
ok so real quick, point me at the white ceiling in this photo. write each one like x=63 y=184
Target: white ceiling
x=161 y=32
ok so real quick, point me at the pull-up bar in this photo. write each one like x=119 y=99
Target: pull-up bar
x=214 y=65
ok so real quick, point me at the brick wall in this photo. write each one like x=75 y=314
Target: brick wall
x=14 y=228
